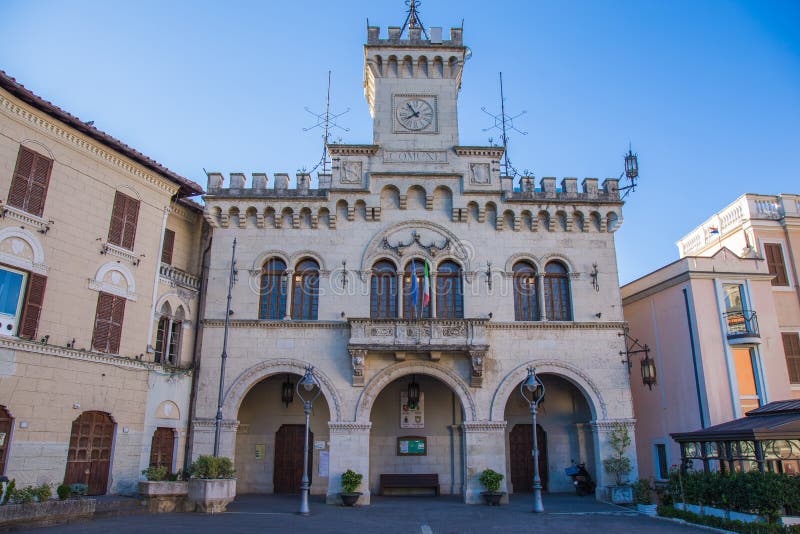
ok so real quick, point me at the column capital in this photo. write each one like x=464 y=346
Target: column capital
x=351 y=427
x=484 y=426
x=607 y=425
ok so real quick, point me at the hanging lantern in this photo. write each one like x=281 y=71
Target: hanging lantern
x=631 y=165
x=648 y=370
x=413 y=394
x=287 y=391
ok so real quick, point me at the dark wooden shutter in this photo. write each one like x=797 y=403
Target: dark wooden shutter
x=131 y=218
x=108 y=323
x=34 y=298
x=166 y=250
x=117 y=220
x=30 y=182
x=775 y=264
x=791 y=347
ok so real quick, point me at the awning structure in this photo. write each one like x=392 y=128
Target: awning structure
x=767 y=439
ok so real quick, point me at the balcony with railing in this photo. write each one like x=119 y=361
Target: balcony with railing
x=742 y=327
x=172 y=276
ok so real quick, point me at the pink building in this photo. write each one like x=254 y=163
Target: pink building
x=721 y=325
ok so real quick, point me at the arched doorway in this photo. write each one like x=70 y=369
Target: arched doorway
x=563 y=434
x=6 y=424
x=162 y=448
x=269 y=440
x=89 y=456
x=422 y=440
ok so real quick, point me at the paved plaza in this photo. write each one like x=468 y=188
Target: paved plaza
x=387 y=515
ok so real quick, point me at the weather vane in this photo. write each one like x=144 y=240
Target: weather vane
x=327 y=122
x=412 y=19
x=504 y=123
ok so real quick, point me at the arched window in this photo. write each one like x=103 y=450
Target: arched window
x=273 y=290
x=449 y=291
x=305 y=291
x=168 y=336
x=556 y=292
x=526 y=301
x=415 y=309
x=383 y=291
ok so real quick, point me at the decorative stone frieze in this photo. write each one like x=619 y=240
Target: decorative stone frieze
x=349 y=428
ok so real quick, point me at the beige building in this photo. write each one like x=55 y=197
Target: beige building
x=99 y=293
x=520 y=276
x=721 y=324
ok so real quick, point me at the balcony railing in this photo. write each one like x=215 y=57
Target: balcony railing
x=176 y=277
x=741 y=324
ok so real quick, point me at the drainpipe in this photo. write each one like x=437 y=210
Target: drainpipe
x=155 y=280
x=694 y=360
x=197 y=345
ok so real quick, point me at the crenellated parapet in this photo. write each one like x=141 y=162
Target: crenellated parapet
x=260 y=187
x=568 y=191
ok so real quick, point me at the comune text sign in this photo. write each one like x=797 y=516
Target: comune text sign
x=414 y=156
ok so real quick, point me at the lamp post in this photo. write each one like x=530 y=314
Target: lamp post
x=224 y=356
x=532 y=390
x=310 y=386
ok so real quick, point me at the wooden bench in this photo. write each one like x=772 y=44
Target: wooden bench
x=410 y=480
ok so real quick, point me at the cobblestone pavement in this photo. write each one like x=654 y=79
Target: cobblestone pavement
x=388 y=515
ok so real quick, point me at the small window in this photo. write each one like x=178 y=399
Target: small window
x=108 y=323
x=169 y=244
x=661 y=461
x=449 y=291
x=30 y=182
x=305 y=291
x=124 y=217
x=383 y=291
x=273 y=290
x=168 y=340
x=775 y=264
x=791 y=347
x=526 y=299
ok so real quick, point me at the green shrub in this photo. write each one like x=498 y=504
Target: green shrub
x=22 y=496
x=10 y=488
x=490 y=480
x=350 y=481
x=155 y=473
x=63 y=491
x=643 y=491
x=727 y=524
x=212 y=467
x=43 y=492
x=78 y=489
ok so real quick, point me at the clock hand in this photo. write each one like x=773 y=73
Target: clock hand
x=414 y=113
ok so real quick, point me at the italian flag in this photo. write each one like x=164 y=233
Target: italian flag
x=426 y=286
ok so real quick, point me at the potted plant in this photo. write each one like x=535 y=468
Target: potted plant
x=619 y=464
x=490 y=480
x=643 y=497
x=350 y=483
x=162 y=491
x=211 y=486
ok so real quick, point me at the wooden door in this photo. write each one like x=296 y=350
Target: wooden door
x=6 y=424
x=288 y=468
x=521 y=445
x=162 y=448
x=89 y=457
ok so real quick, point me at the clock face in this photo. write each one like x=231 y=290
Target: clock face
x=414 y=114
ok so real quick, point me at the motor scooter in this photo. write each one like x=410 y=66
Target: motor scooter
x=581 y=479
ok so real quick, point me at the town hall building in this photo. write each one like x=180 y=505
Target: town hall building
x=413 y=262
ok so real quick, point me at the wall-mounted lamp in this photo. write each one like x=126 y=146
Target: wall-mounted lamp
x=594 y=274
x=413 y=394
x=632 y=346
x=23 y=424
x=344 y=274
x=76 y=406
x=489 y=274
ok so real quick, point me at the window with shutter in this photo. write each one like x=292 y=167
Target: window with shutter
x=34 y=299
x=775 y=264
x=124 y=217
x=21 y=299
x=169 y=244
x=30 y=182
x=791 y=347
x=108 y=323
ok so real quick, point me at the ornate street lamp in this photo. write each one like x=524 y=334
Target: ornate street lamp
x=631 y=173
x=310 y=386
x=532 y=390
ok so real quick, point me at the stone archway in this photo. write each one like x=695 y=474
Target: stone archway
x=578 y=378
x=255 y=374
x=388 y=375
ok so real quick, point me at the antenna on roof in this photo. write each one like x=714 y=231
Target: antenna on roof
x=412 y=19
x=505 y=123
x=326 y=121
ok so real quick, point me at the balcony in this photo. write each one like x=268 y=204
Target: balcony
x=742 y=327
x=174 y=277
x=432 y=337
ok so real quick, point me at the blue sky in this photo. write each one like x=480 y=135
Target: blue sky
x=708 y=92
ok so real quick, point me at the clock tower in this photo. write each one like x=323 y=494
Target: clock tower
x=411 y=86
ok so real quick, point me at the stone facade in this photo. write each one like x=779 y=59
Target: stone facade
x=413 y=193
x=48 y=380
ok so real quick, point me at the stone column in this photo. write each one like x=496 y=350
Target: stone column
x=203 y=438
x=485 y=445
x=349 y=449
x=433 y=277
x=289 y=295
x=400 y=292
x=602 y=448
x=540 y=297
